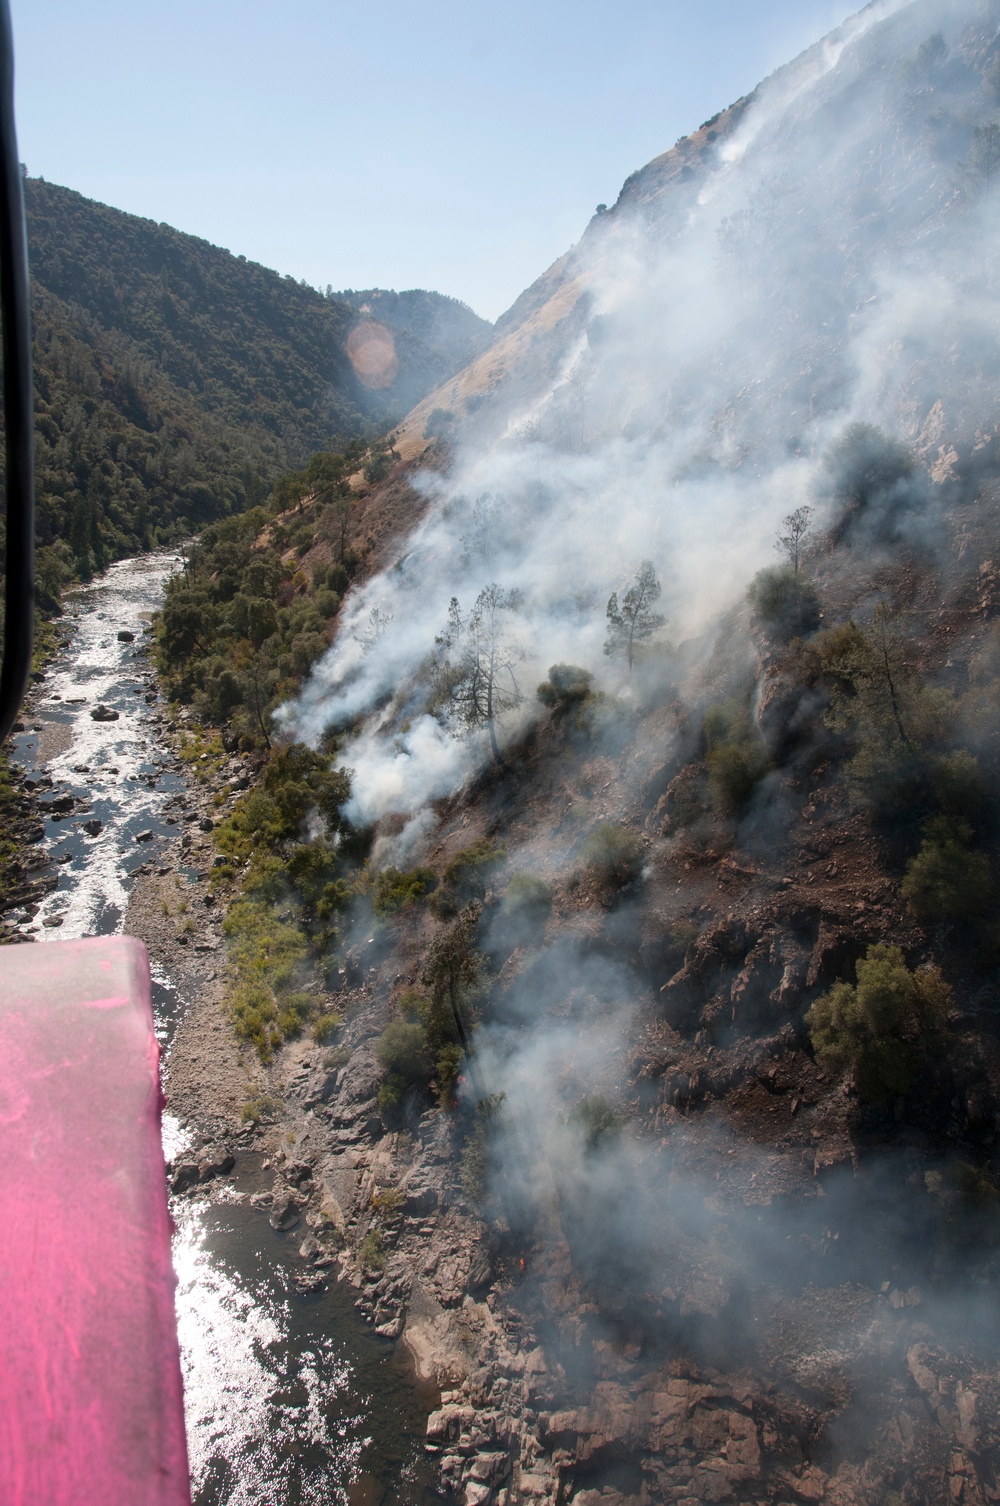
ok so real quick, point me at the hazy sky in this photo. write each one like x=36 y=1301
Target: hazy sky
x=460 y=147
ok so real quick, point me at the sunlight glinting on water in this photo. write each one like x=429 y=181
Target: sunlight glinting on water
x=279 y=1395
x=254 y=1405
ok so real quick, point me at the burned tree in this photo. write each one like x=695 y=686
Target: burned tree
x=478 y=675
x=481 y=545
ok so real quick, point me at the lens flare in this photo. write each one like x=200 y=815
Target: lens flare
x=372 y=352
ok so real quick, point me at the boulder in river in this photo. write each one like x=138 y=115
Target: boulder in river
x=309 y=1281
x=144 y=836
x=104 y=713
x=61 y=805
x=93 y=828
x=185 y=1175
x=214 y=1161
x=206 y=824
x=52 y=921
x=284 y=1213
x=125 y=636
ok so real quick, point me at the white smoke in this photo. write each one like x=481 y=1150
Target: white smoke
x=822 y=264
x=830 y=261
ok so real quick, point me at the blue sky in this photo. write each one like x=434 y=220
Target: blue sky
x=460 y=147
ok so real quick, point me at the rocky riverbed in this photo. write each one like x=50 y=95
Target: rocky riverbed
x=290 y=1398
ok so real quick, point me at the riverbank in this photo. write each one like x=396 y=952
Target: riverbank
x=385 y=1212
x=289 y=1396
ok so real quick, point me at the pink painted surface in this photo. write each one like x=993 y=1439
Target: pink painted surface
x=91 y=1406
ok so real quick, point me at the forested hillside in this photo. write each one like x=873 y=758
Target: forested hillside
x=175 y=382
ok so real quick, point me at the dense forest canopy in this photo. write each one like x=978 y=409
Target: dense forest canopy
x=176 y=382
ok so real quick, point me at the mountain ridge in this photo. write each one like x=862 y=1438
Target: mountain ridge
x=176 y=382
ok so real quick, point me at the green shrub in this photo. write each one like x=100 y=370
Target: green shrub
x=376 y=469
x=612 y=855
x=269 y=956
x=255 y=1016
x=900 y=726
x=390 y=1097
x=597 y=1122
x=409 y=1054
x=784 y=603
x=475 y=1165
x=527 y=900
x=388 y=1200
x=956 y=786
x=394 y=890
x=680 y=935
x=325 y=1026
x=435 y=1019
x=446 y=1070
x=327 y=603
x=412 y=1005
x=371 y=1255
x=402 y=1051
x=864 y=466
x=737 y=759
x=258 y=1110
x=734 y=771
x=467 y=877
x=263 y=947
x=883 y=1027
x=947 y=880
x=969 y=1186
x=295 y=1010
x=566 y=686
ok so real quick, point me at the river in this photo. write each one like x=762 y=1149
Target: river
x=290 y=1399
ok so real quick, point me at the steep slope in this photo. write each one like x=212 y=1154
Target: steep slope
x=654 y=1078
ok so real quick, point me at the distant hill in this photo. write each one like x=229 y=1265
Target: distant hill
x=175 y=381
x=435 y=336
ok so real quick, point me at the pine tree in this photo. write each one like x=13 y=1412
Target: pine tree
x=634 y=622
x=798 y=525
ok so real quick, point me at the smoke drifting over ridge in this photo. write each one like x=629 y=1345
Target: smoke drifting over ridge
x=823 y=259
x=820 y=256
